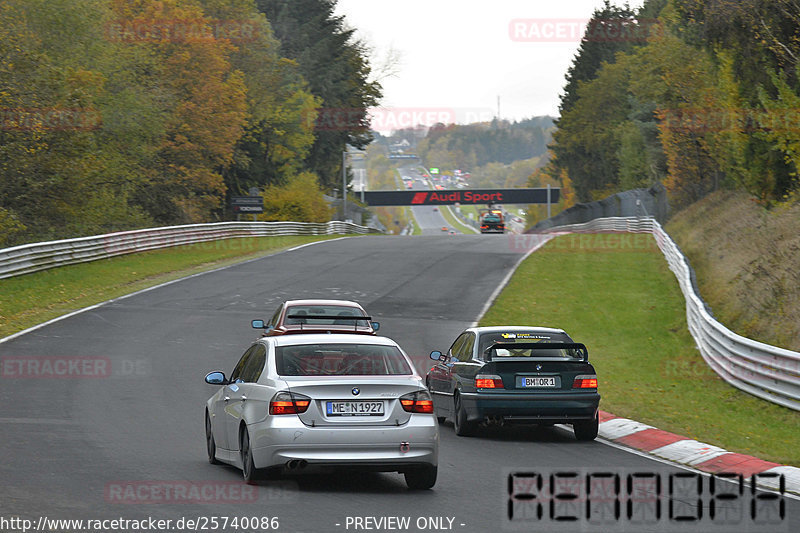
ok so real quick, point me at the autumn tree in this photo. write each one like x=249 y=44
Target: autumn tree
x=59 y=175
x=299 y=200
x=707 y=101
x=204 y=100
x=279 y=130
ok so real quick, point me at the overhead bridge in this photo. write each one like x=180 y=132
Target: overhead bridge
x=463 y=196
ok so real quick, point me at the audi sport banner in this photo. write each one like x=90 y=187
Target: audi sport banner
x=462 y=196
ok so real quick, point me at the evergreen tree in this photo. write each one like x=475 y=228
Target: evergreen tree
x=336 y=69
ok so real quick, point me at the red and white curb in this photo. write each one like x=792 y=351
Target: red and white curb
x=698 y=455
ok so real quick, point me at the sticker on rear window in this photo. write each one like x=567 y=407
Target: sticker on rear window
x=523 y=336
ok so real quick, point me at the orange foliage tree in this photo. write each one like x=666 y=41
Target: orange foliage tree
x=205 y=100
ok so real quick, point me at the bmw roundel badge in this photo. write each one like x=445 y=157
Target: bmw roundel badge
x=538 y=366
x=356 y=391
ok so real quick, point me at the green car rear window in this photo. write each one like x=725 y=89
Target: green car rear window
x=487 y=339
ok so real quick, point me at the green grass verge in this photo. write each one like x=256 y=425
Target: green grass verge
x=616 y=294
x=467 y=209
x=455 y=222
x=34 y=298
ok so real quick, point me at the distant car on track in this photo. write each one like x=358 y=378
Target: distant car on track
x=321 y=316
x=515 y=375
x=445 y=228
x=323 y=401
x=492 y=221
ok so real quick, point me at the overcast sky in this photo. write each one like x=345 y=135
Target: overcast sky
x=457 y=56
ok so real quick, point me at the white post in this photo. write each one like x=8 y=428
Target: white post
x=344 y=186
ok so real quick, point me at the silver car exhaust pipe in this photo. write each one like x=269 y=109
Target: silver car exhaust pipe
x=296 y=464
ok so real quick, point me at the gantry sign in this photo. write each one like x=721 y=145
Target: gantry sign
x=462 y=196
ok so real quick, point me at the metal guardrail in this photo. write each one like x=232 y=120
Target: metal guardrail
x=766 y=371
x=650 y=202
x=43 y=255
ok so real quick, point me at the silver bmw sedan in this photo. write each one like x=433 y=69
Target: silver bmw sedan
x=323 y=400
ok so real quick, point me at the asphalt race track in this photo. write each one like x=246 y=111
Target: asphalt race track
x=128 y=441
x=428 y=217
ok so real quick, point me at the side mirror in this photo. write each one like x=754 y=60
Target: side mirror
x=375 y=326
x=436 y=355
x=258 y=324
x=216 y=378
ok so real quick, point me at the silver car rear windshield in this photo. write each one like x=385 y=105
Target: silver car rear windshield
x=340 y=360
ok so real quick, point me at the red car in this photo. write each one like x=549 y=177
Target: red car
x=318 y=316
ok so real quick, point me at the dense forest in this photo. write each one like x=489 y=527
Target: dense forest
x=470 y=146
x=117 y=114
x=699 y=95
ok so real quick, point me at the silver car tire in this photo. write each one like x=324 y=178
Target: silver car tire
x=249 y=470
x=211 y=446
x=421 y=478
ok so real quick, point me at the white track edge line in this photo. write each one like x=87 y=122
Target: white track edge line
x=141 y=291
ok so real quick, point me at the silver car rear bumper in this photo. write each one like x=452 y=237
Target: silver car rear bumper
x=278 y=440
